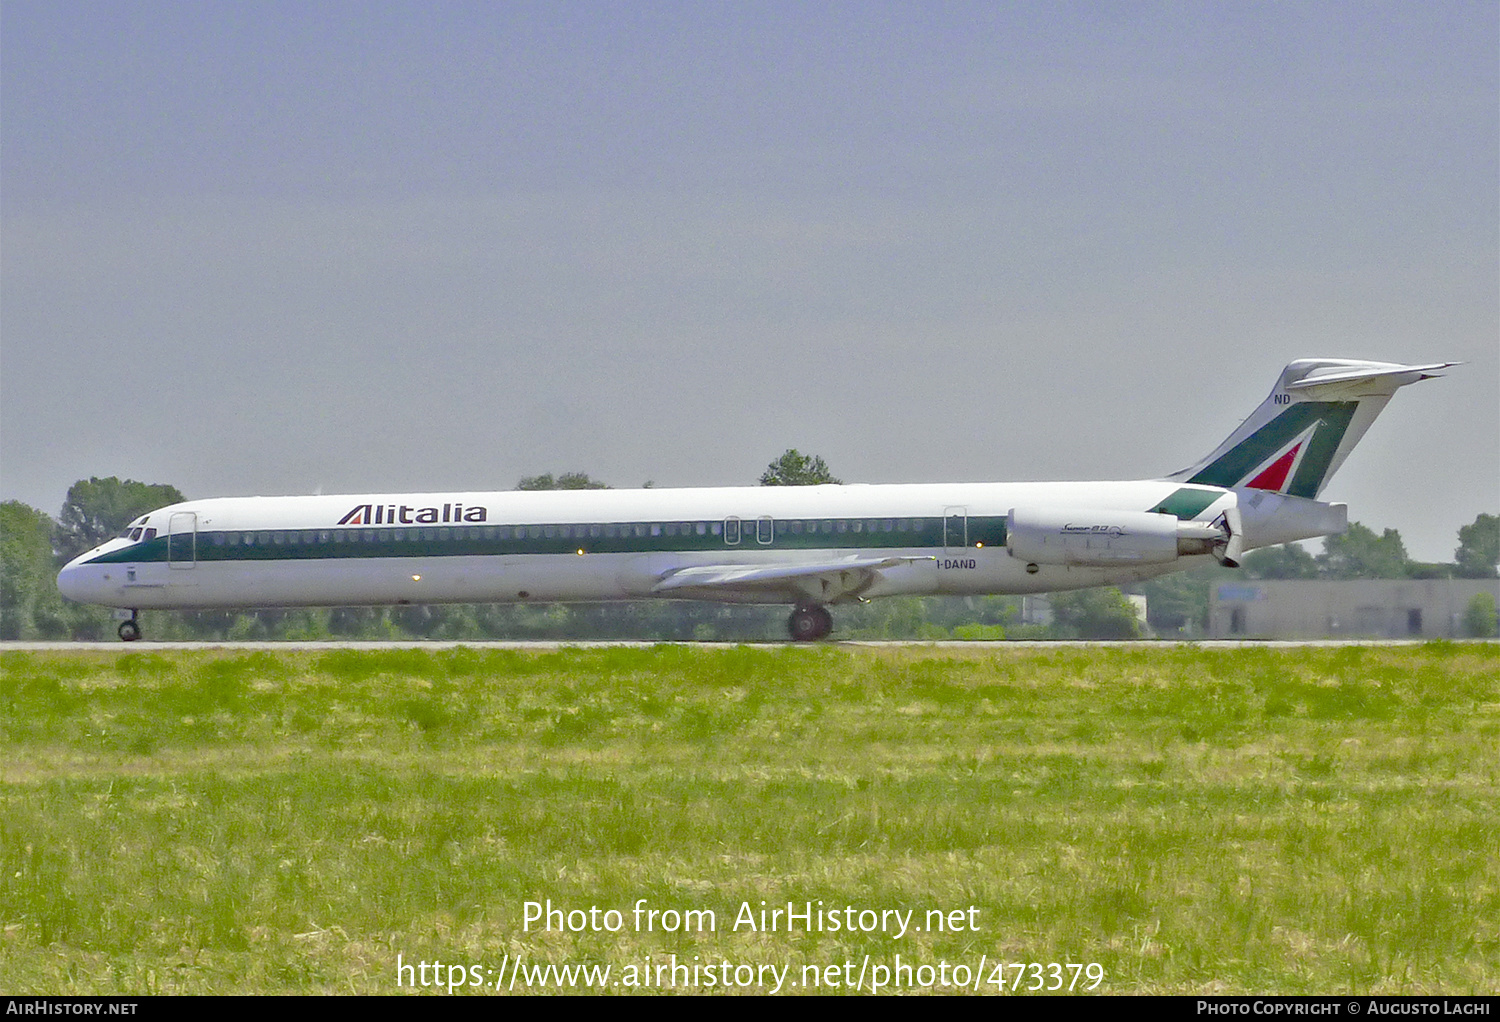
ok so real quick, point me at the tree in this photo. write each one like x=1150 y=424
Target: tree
x=1480 y=618
x=1096 y=614
x=1290 y=560
x=1179 y=602
x=566 y=481
x=99 y=509
x=795 y=469
x=1478 y=548
x=26 y=567
x=1359 y=553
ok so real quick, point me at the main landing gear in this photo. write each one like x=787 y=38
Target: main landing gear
x=809 y=623
x=130 y=630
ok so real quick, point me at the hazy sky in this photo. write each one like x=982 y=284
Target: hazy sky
x=291 y=247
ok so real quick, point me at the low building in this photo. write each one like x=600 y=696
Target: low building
x=1395 y=608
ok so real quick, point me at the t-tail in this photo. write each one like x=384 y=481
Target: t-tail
x=1300 y=435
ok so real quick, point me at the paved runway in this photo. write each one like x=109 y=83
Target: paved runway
x=145 y=646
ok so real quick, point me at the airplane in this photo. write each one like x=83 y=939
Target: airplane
x=811 y=547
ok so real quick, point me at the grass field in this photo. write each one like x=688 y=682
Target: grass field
x=1188 y=820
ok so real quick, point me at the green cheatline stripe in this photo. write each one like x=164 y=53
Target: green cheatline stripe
x=1332 y=418
x=1187 y=503
x=488 y=540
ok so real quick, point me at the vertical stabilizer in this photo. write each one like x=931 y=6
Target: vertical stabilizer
x=1299 y=436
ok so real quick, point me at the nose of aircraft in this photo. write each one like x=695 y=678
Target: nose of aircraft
x=82 y=580
x=85 y=579
x=73 y=581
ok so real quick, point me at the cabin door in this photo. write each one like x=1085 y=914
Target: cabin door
x=955 y=528
x=182 y=539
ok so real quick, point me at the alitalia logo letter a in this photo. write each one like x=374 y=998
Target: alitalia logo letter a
x=358 y=516
x=1276 y=472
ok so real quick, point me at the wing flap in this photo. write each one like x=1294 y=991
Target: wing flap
x=823 y=581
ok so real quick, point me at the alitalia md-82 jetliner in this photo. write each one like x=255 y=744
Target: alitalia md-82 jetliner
x=806 y=546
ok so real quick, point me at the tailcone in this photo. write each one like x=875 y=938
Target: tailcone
x=1270 y=519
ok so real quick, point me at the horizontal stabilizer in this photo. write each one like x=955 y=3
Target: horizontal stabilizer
x=1384 y=378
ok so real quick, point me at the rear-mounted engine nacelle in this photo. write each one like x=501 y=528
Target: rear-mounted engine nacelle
x=1103 y=538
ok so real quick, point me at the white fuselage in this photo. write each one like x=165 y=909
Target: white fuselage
x=596 y=545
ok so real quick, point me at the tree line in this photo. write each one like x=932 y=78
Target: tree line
x=34 y=546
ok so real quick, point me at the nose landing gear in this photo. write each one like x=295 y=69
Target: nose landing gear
x=130 y=630
x=809 y=623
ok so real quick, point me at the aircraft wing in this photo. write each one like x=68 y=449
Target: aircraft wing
x=822 y=581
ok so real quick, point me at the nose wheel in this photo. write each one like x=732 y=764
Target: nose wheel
x=130 y=630
x=808 y=624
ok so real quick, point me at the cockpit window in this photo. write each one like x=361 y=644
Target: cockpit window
x=135 y=534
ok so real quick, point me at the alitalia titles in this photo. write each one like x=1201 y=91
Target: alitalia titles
x=403 y=514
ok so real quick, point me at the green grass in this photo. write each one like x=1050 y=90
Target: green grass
x=1287 y=821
